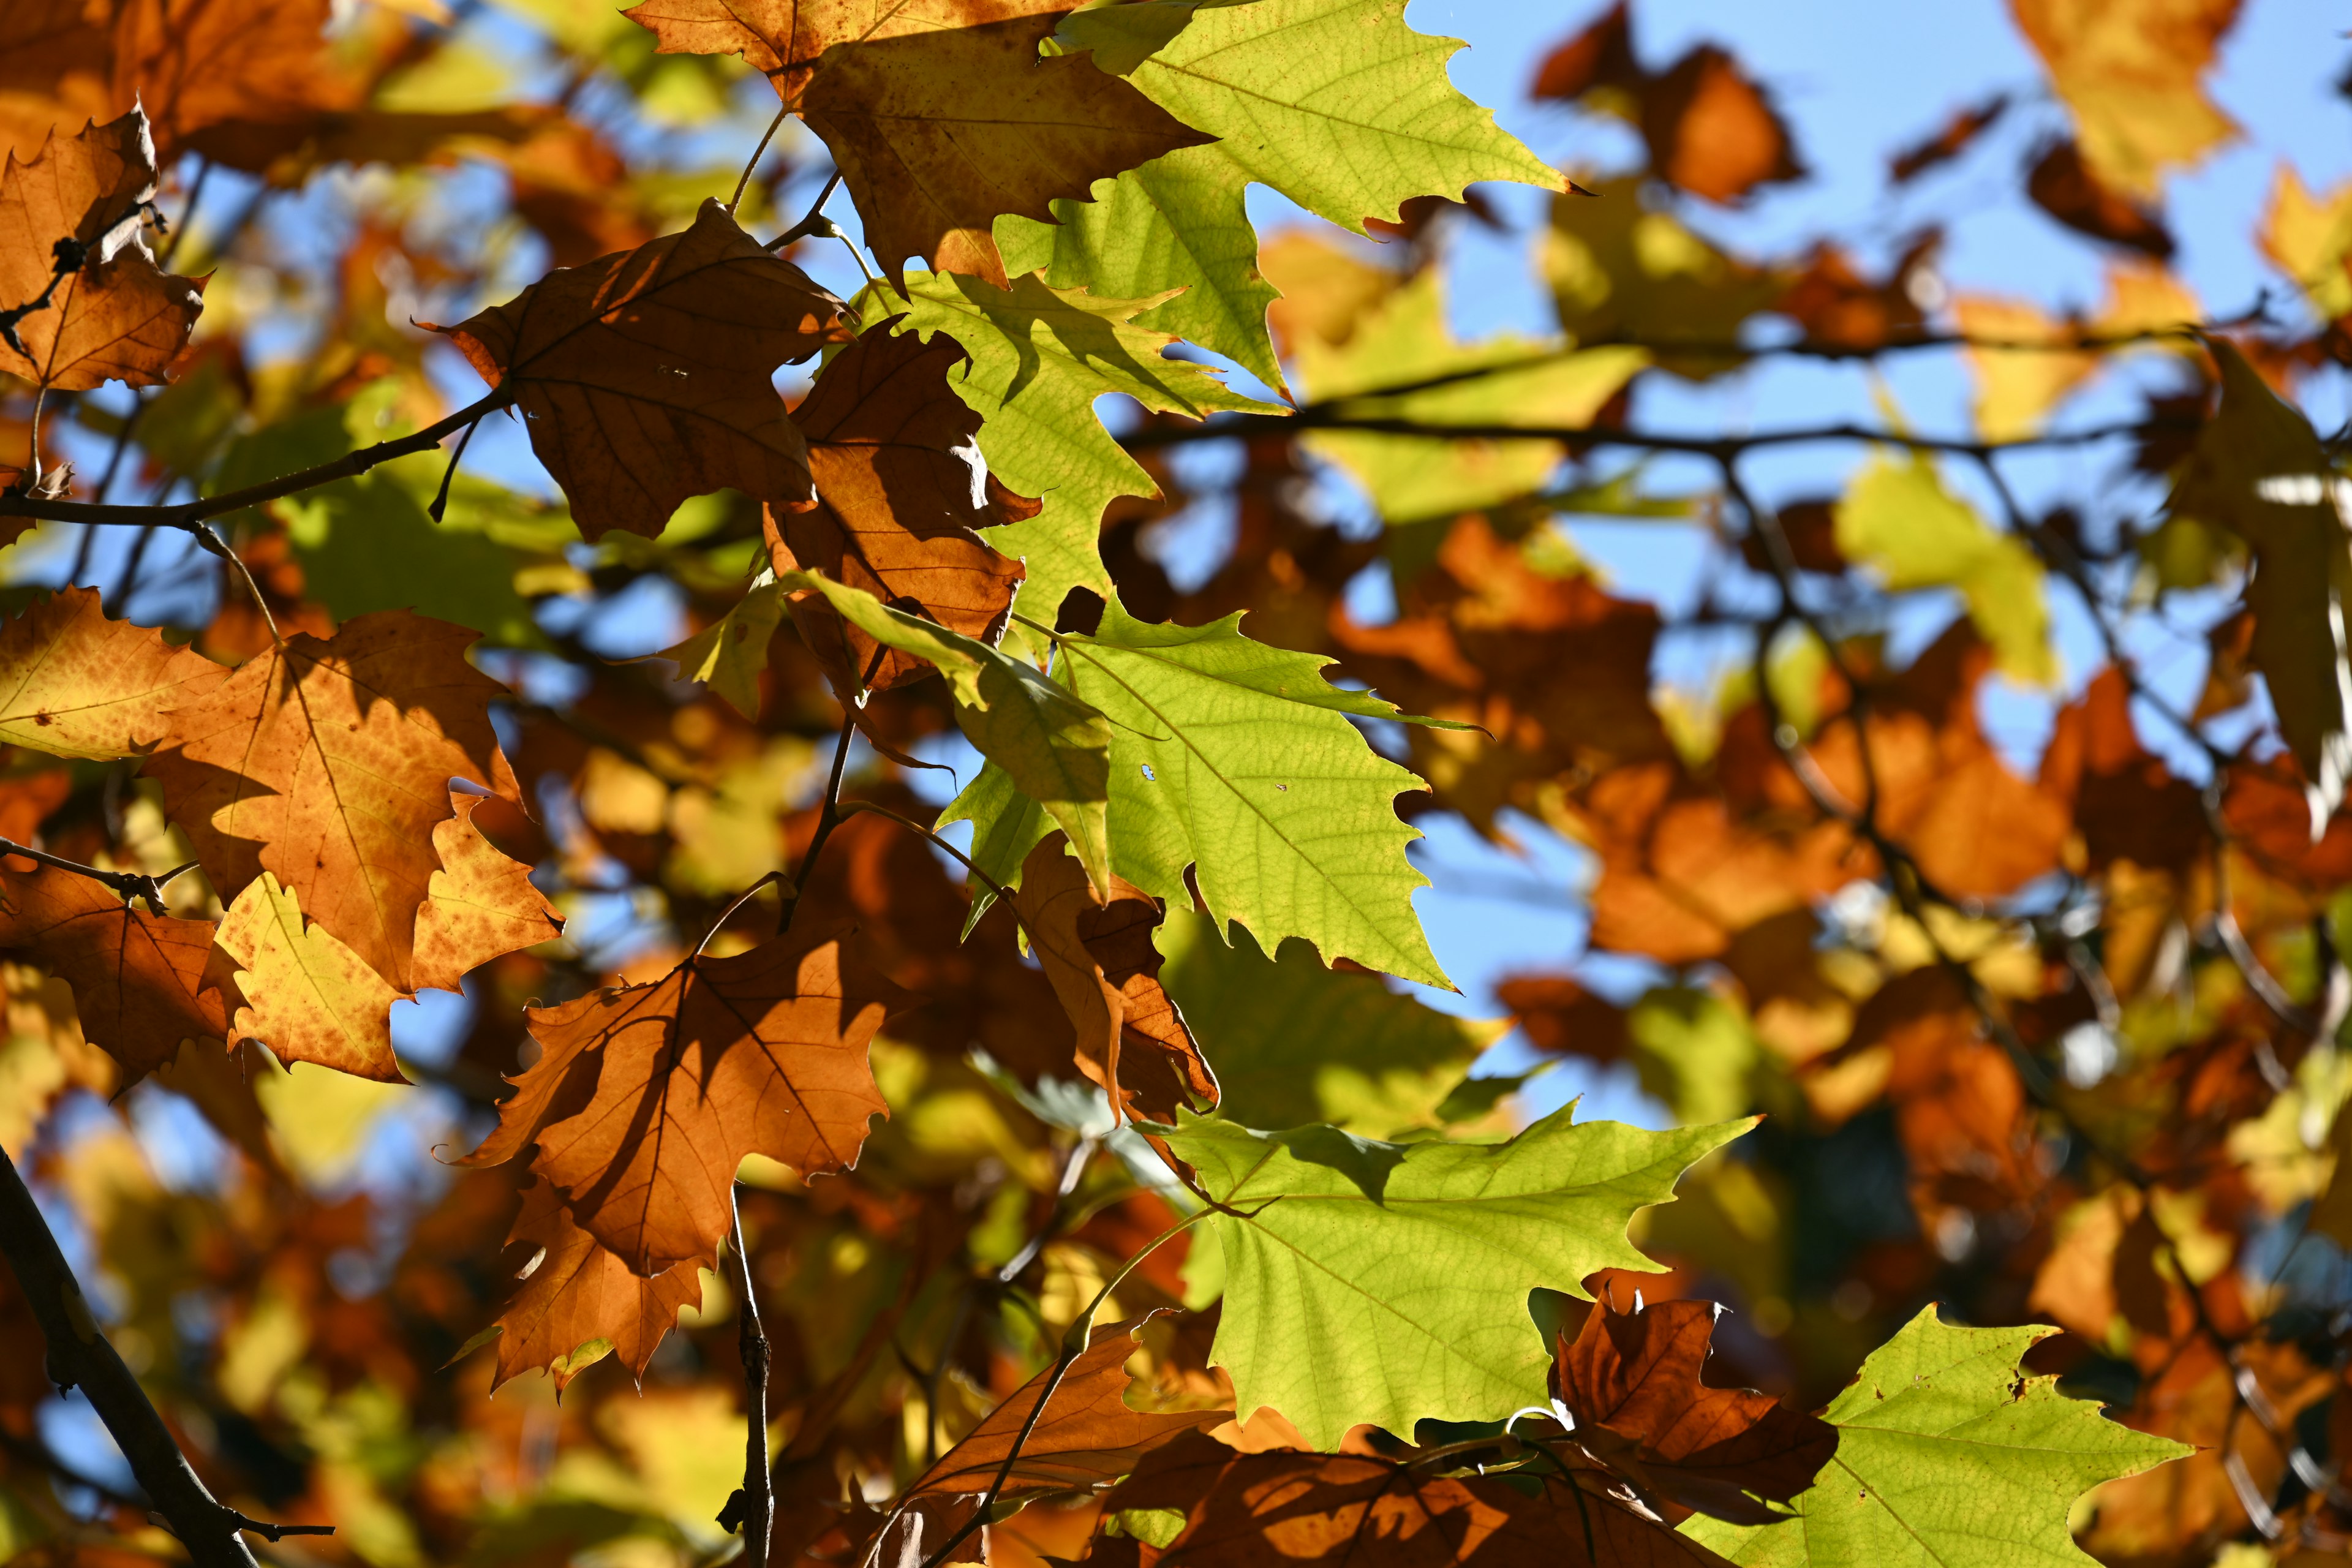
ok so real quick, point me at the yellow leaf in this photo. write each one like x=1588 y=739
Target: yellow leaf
x=299 y=990
x=2131 y=72
x=2308 y=238
x=2017 y=388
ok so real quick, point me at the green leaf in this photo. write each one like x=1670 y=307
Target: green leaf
x=728 y=655
x=1947 y=1455
x=1337 y=104
x=1695 y=1051
x=1619 y=271
x=1388 y=1283
x=1898 y=517
x=367 y=544
x=1053 y=747
x=1293 y=1042
x=1233 y=758
x=1005 y=825
x=1040 y=357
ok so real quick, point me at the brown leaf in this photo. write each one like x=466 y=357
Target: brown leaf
x=1102 y=962
x=1635 y=1376
x=645 y=1099
x=576 y=1293
x=2063 y=185
x=900 y=487
x=644 y=376
x=481 y=904
x=784 y=39
x=1714 y=131
x=937 y=135
x=1835 y=303
x=1560 y=1016
x=1955 y=138
x=1087 y=1435
x=135 y=976
x=114 y=316
x=329 y=763
x=77 y=684
x=1600 y=57
x=1284 y=1510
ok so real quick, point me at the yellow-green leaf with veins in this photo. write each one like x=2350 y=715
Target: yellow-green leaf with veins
x=1040 y=357
x=291 y=984
x=1387 y=1282
x=1404 y=342
x=1237 y=759
x=75 y=684
x=1948 y=1455
x=1898 y=517
x=728 y=655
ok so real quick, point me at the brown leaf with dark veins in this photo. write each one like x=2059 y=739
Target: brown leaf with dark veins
x=1632 y=1382
x=1088 y=1434
x=644 y=377
x=900 y=488
x=576 y=1293
x=645 y=1099
x=329 y=763
x=937 y=135
x=114 y=314
x=1287 y=1510
x=784 y=39
x=135 y=976
x=75 y=683
x=479 y=906
x=1105 y=968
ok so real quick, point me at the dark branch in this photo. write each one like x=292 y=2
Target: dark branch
x=127 y=885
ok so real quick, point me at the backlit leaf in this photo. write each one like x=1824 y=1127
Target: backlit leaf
x=136 y=977
x=578 y=1302
x=291 y=984
x=77 y=684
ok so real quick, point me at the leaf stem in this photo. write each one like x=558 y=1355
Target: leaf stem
x=828 y=818
x=758 y=1511
x=744 y=183
x=909 y=823
x=812 y=221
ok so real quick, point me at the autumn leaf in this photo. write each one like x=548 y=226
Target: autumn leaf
x=75 y=684
x=287 y=982
x=1631 y=1381
x=578 y=1302
x=136 y=977
x=72 y=234
x=1387 y=1282
x=785 y=39
x=644 y=377
x=1100 y=957
x=2133 y=75
x=645 y=1099
x=900 y=488
x=479 y=906
x=329 y=764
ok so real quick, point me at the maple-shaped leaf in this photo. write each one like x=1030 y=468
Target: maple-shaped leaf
x=1630 y=1383
x=1086 y=1434
x=1040 y=358
x=644 y=377
x=1100 y=957
x=900 y=487
x=1337 y=104
x=287 y=982
x=136 y=977
x=71 y=232
x=1948 y=1455
x=2131 y=73
x=1389 y=1282
x=785 y=39
x=645 y=1099
x=75 y=684
x=329 y=763
x=481 y=904
x=1237 y=759
x=1207 y=1506
x=937 y=133
x=578 y=1302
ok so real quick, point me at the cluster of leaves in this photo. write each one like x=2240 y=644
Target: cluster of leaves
x=1069 y=1184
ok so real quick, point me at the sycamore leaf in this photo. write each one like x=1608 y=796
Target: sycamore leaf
x=1040 y=357
x=579 y=1302
x=1098 y=953
x=1221 y=1508
x=329 y=763
x=1630 y=1383
x=937 y=133
x=1337 y=104
x=1294 y=1042
x=2259 y=471
x=900 y=488
x=1054 y=747
x=1235 y=758
x=1005 y=825
x=136 y=977
x=785 y=39
x=644 y=377
x=1949 y=1455
x=1388 y=1283
x=481 y=904
x=1086 y=1434
x=730 y=654
x=645 y=1099
x=2131 y=74
x=75 y=684
x=116 y=315
x=291 y=986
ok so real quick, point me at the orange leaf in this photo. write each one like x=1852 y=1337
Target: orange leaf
x=135 y=976
x=576 y=1291
x=291 y=986
x=644 y=376
x=937 y=135
x=115 y=315
x=1102 y=962
x=785 y=39
x=900 y=487
x=77 y=684
x=329 y=763
x=481 y=904
x=645 y=1099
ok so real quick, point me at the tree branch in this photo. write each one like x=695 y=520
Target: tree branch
x=754 y=1507
x=127 y=885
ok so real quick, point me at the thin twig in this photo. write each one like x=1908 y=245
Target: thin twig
x=758 y=1512
x=457 y=455
x=828 y=817
x=208 y=538
x=744 y=183
x=812 y=221
x=991 y=883
x=127 y=885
